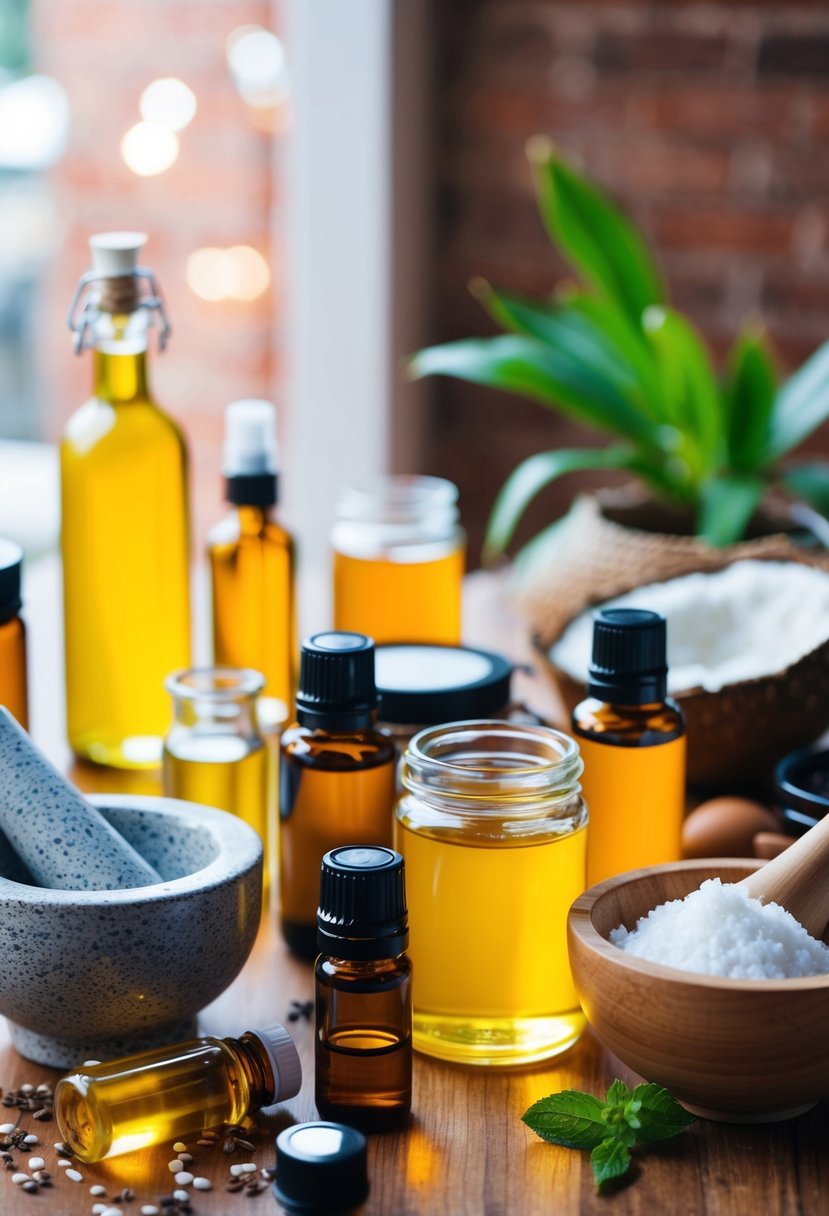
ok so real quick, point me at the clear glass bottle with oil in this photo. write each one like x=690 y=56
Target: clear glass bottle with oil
x=632 y=741
x=121 y=1106
x=13 y=685
x=399 y=559
x=363 y=990
x=213 y=752
x=336 y=775
x=251 y=557
x=124 y=523
x=492 y=826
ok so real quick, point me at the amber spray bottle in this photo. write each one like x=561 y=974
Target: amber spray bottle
x=363 y=990
x=124 y=522
x=252 y=557
x=632 y=739
x=120 y=1106
x=337 y=775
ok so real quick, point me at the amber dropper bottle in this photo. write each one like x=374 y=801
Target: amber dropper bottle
x=252 y=557
x=124 y=1105
x=363 y=990
x=632 y=739
x=336 y=775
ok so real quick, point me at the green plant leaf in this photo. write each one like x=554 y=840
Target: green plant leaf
x=617 y=1094
x=531 y=476
x=749 y=392
x=626 y=338
x=691 y=394
x=811 y=483
x=570 y=1118
x=524 y=365
x=609 y=1160
x=660 y=1115
x=727 y=503
x=600 y=242
x=801 y=405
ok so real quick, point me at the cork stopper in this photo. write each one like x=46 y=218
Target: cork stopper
x=114 y=262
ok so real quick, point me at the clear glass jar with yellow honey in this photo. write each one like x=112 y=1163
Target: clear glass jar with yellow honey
x=399 y=559
x=492 y=827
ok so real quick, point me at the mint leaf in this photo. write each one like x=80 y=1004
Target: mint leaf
x=609 y=1160
x=618 y=1093
x=660 y=1115
x=570 y=1118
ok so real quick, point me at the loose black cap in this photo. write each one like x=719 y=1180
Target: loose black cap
x=421 y=684
x=11 y=563
x=362 y=911
x=321 y=1169
x=629 y=665
x=336 y=681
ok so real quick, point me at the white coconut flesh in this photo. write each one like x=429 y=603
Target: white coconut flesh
x=750 y=620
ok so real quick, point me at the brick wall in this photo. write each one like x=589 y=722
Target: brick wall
x=708 y=121
x=219 y=192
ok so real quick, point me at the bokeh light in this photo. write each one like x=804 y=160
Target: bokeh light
x=251 y=273
x=238 y=273
x=256 y=59
x=168 y=101
x=149 y=148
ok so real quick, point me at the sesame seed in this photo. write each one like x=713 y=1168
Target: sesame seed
x=36 y=1163
x=180 y=1196
x=62 y=1162
x=202 y=1184
x=187 y=1157
x=30 y=1139
x=149 y=1209
x=175 y=1166
x=97 y=1189
x=19 y=1179
x=112 y=1212
x=179 y=1147
x=90 y=1063
x=6 y=1129
x=184 y=1178
x=98 y=1208
x=75 y=1175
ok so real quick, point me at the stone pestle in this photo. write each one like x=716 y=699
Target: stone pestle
x=61 y=838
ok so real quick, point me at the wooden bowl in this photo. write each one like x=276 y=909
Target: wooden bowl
x=740 y=1051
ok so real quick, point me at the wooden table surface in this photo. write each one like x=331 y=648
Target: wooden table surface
x=466 y=1152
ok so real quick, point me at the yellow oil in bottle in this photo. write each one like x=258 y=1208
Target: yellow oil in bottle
x=393 y=597
x=125 y=563
x=488 y=944
x=13 y=670
x=252 y=567
x=227 y=773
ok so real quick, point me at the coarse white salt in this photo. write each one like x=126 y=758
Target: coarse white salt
x=720 y=930
x=184 y=1177
x=181 y=1196
x=202 y=1184
x=6 y=1129
x=36 y=1163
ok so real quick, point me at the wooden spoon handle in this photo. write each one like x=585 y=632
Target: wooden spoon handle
x=798 y=879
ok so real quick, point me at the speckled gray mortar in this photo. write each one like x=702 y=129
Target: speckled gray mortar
x=91 y=974
x=63 y=840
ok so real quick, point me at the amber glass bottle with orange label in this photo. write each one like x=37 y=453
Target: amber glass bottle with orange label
x=632 y=740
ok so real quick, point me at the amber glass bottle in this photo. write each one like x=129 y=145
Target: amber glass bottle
x=252 y=557
x=336 y=775
x=13 y=688
x=632 y=740
x=125 y=531
x=363 y=990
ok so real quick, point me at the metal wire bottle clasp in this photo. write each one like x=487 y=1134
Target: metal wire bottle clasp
x=84 y=309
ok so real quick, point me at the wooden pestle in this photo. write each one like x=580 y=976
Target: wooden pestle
x=61 y=838
x=798 y=879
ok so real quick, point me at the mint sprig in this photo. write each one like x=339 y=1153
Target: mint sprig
x=609 y=1129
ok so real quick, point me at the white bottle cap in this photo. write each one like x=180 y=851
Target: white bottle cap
x=250 y=439
x=115 y=254
x=285 y=1062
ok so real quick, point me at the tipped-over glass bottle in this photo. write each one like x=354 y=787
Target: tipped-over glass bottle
x=125 y=532
x=13 y=688
x=252 y=557
x=632 y=740
x=103 y=1110
x=363 y=990
x=336 y=775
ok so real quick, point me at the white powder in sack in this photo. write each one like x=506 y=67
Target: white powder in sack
x=721 y=930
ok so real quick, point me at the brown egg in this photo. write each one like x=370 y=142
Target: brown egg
x=725 y=827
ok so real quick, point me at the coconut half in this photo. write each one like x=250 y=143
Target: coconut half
x=748 y=656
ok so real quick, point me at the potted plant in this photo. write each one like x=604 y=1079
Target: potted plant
x=712 y=451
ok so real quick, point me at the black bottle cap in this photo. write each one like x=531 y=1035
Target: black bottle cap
x=11 y=564
x=423 y=683
x=362 y=911
x=321 y=1169
x=336 y=681
x=252 y=489
x=629 y=664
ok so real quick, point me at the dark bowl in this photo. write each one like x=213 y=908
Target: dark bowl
x=801 y=785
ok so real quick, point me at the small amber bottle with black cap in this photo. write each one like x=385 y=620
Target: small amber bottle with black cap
x=632 y=739
x=336 y=775
x=363 y=990
x=13 y=689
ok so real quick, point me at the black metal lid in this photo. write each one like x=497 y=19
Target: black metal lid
x=321 y=1169
x=362 y=910
x=423 y=684
x=336 y=681
x=629 y=664
x=11 y=564
x=252 y=489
